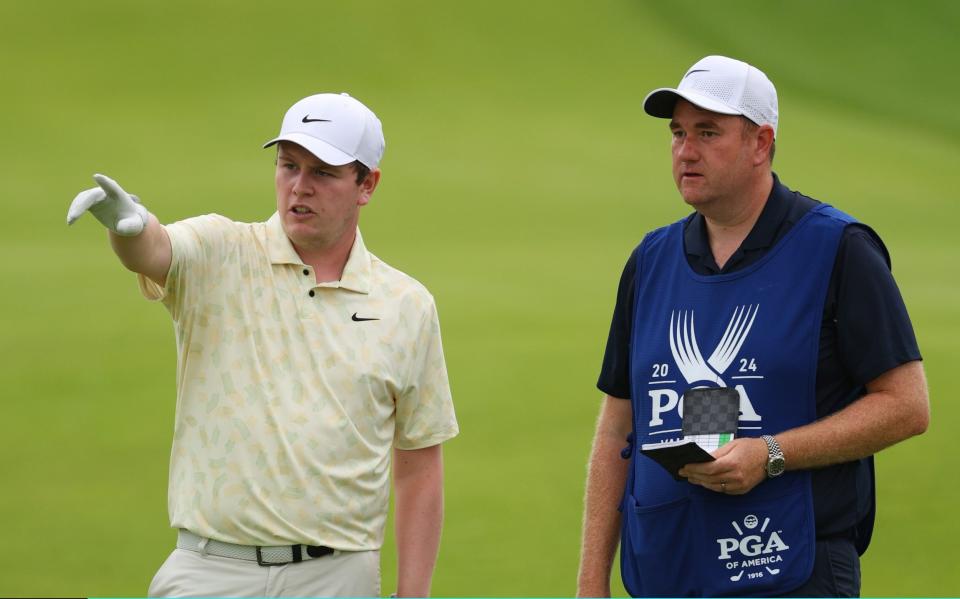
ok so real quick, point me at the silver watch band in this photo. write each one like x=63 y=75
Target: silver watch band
x=776 y=463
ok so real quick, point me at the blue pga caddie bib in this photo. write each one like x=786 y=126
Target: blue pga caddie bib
x=756 y=330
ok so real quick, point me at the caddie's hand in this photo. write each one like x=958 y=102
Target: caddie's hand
x=740 y=465
x=119 y=211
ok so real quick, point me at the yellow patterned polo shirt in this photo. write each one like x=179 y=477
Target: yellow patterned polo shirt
x=291 y=394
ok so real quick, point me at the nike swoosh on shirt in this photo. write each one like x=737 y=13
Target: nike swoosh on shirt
x=356 y=318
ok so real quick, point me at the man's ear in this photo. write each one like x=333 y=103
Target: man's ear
x=764 y=145
x=368 y=185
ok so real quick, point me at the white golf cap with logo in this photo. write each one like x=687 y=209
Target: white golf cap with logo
x=335 y=128
x=720 y=84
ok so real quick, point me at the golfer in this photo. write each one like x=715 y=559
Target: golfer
x=787 y=300
x=307 y=368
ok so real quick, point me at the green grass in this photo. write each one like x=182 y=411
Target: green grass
x=519 y=173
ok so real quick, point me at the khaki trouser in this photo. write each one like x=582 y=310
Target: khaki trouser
x=188 y=573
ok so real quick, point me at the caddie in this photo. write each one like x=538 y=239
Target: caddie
x=790 y=302
x=308 y=371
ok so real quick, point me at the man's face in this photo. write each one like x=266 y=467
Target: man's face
x=318 y=203
x=712 y=158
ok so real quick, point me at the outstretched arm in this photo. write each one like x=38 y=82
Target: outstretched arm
x=418 y=484
x=137 y=237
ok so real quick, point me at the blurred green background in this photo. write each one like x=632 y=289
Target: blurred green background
x=519 y=174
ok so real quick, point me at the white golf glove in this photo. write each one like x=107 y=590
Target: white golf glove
x=119 y=211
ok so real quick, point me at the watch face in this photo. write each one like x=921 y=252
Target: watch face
x=775 y=466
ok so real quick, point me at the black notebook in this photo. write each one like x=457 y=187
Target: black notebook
x=675 y=455
x=710 y=417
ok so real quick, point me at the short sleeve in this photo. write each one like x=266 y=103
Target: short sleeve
x=615 y=371
x=197 y=248
x=424 y=409
x=874 y=332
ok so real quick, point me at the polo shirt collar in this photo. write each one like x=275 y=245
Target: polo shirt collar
x=762 y=235
x=356 y=272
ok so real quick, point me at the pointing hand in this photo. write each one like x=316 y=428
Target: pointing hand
x=119 y=211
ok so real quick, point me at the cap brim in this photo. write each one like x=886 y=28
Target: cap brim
x=660 y=102
x=319 y=148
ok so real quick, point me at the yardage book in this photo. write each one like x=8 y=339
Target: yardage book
x=673 y=455
x=709 y=421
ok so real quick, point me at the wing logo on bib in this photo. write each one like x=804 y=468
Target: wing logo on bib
x=686 y=350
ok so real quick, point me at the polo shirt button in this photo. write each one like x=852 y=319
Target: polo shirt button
x=306 y=272
x=312 y=293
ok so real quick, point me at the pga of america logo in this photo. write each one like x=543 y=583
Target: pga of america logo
x=753 y=549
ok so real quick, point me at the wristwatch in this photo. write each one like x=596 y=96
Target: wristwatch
x=775 y=462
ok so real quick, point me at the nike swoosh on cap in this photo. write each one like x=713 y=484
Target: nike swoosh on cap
x=696 y=71
x=307 y=119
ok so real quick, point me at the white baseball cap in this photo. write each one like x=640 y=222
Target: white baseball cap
x=720 y=84
x=335 y=128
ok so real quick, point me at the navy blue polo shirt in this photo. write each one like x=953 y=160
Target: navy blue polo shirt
x=865 y=331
